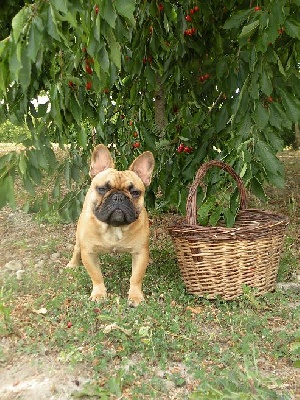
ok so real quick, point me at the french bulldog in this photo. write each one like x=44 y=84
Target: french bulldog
x=114 y=219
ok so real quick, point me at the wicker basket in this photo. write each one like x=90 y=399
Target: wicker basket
x=219 y=261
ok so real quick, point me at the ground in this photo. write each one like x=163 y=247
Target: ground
x=22 y=241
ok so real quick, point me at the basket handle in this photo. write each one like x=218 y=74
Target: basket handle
x=191 y=204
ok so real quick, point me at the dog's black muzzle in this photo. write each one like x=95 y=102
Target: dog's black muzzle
x=116 y=210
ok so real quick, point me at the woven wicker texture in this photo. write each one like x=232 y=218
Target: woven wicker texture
x=219 y=261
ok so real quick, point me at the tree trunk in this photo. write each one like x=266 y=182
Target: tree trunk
x=160 y=107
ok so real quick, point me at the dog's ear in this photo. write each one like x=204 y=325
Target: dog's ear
x=143 y=166
x=101 y=160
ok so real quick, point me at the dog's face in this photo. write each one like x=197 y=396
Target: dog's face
x=118 y=196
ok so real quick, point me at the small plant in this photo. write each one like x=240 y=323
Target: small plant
x=5 y=313
x=244 y=382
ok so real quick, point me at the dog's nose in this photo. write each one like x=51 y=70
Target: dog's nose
x=118 y=197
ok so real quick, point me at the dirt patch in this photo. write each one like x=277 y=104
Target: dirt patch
x=42 y=378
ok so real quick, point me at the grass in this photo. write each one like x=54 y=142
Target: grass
x=201 y=349
x=173 y=346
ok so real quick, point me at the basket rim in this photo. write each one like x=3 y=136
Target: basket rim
x=273 y=219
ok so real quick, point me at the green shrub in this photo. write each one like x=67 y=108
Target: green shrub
x=10 y=133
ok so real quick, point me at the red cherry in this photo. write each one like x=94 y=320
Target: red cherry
x=69 y=325
x=192 y=11
x=270 y=99
x=186 y=149
x=188 y=18
x=257 y=8
x=180 y=148
x=161 y=7
x=136 y=144
x=96 y=9
x=88 y=85
x=71 y=84
x=196 y=8
x=206 y=76
x=88 y=69
x=96 y=310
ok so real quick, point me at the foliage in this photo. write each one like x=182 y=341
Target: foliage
x=222 y=80
x=9 y=133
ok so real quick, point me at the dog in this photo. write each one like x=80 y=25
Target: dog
x=114 y=219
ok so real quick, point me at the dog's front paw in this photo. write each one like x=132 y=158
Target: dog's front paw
x=135 y=297
x=72 y=264
x=98 y=293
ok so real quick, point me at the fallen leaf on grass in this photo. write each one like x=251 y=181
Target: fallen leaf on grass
x=114 y=326
x=42 y=311
x=194 y=310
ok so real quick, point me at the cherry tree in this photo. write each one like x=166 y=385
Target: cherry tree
x=188 y=80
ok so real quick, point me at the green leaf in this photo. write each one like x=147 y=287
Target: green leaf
x=291 y=105
x=25 y=72
x=277 y=116
x=82 y=137
x=103 y=60
x=267 y=158
x=292 y=28
x=15 y=62
x=75 y=108
x=35 y=174
x=126 y=9
x=7 y=192
x=108 y=12
x=279 y=63
x=177 y=74
x=229 y=217
x=261 y=116
x=150 y=76
x=215 y=216
x=22 y=164
x=60 y=5
x=248 y=30
x=257 y=189
x=34 y=42
x=115 y=49
x=18 y=23
x=52 y=24
x=237 y=19
x=266 y=84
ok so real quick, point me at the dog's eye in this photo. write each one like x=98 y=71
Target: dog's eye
x=102 y=190
x=135 y=193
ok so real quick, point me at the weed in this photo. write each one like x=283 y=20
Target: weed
x=6 y=325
